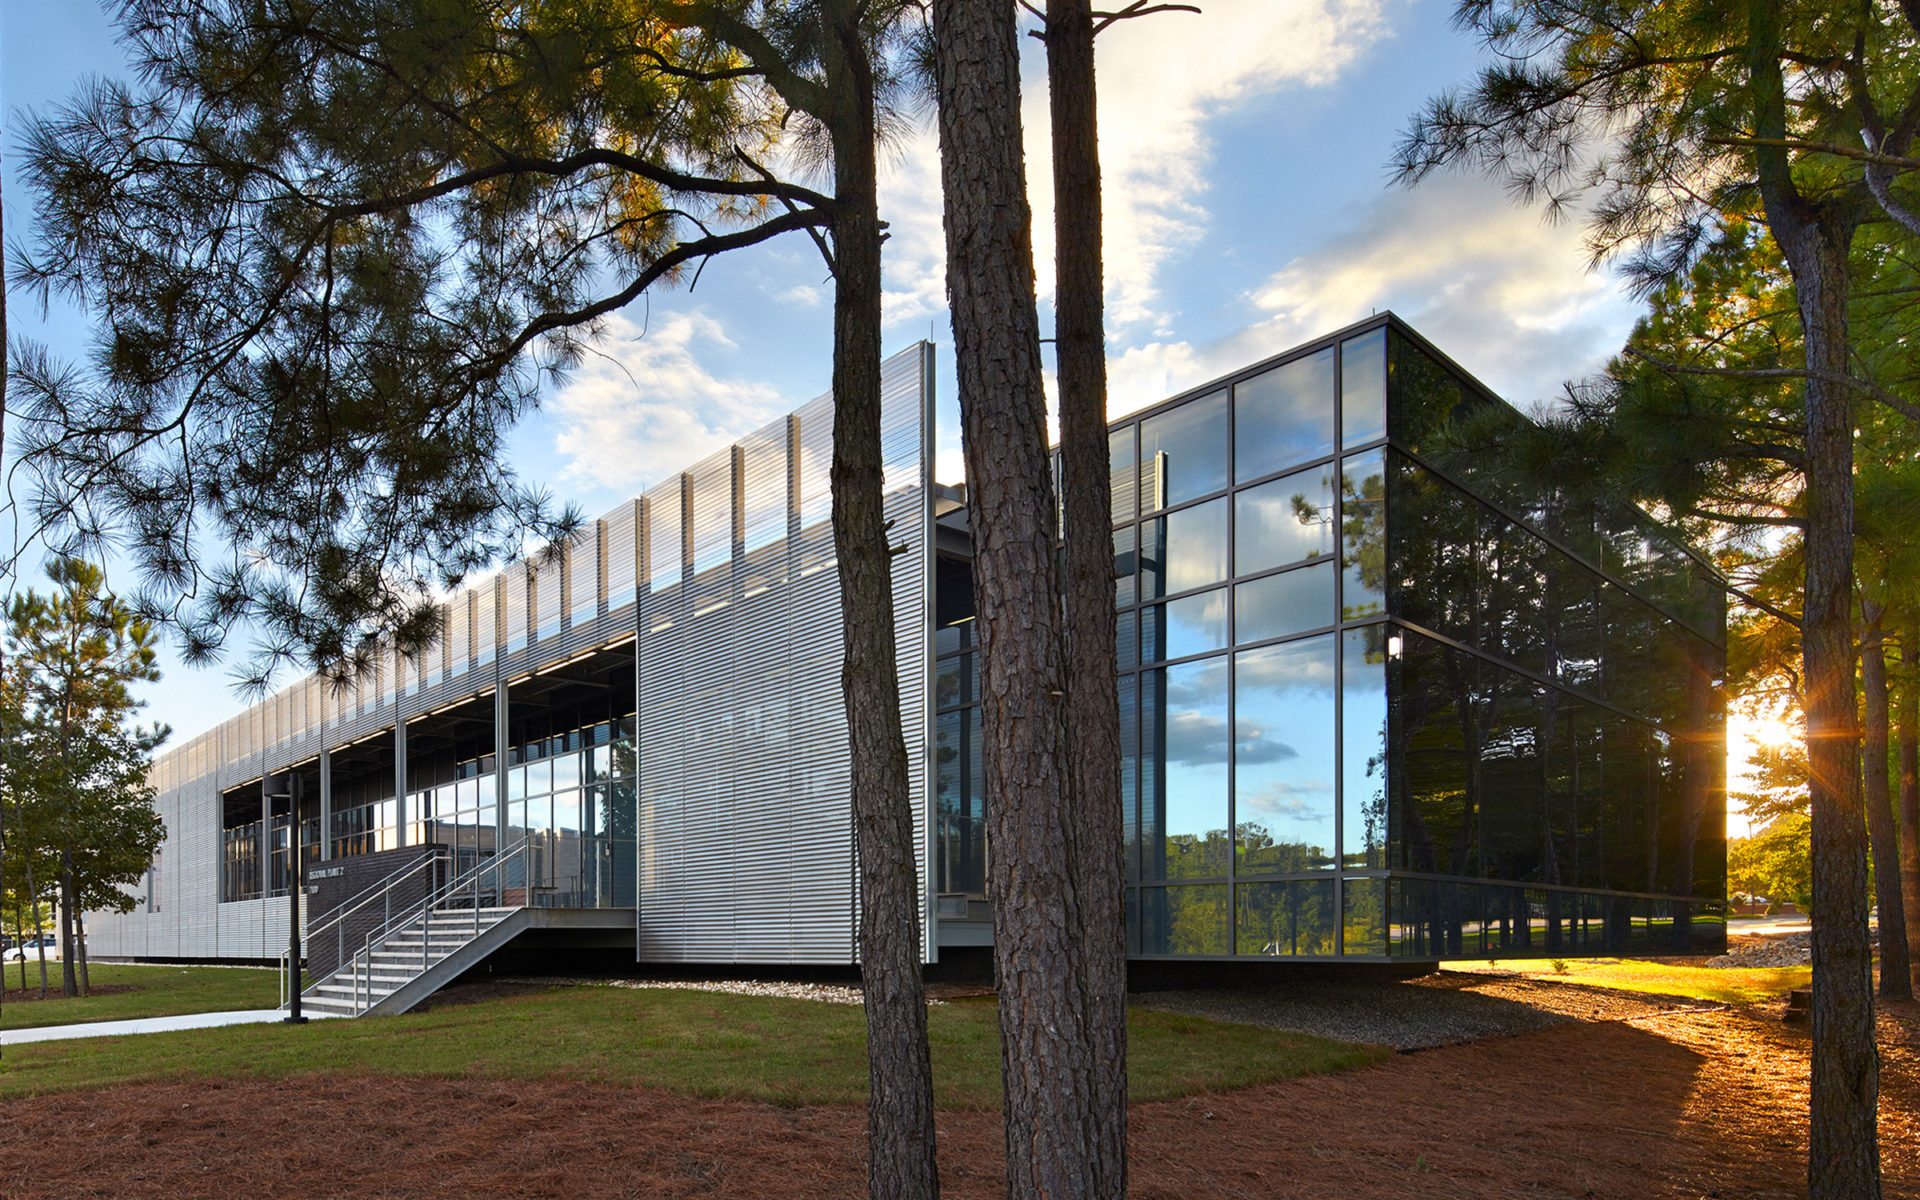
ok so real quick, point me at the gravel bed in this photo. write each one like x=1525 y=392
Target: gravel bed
x=1437 y=1010
x=1786 y=950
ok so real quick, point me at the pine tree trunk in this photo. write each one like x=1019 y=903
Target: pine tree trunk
x=1046 y=1058
x=1093 y=713
x=69 y=986
x=1843 y=1147
x=1896 y=976
x=80 y=950
x=900 y=1129
x=1908 y=721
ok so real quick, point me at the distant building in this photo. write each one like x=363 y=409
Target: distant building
x=1382 y=699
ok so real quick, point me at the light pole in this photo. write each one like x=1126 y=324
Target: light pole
x=295 y=872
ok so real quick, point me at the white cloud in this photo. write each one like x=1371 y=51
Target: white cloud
x=648 y=403
x=803 y=295
x=1508 y=295
x=1161 y=80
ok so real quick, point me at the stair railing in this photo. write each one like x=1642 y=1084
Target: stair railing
x=381 y=893
x=466 y=886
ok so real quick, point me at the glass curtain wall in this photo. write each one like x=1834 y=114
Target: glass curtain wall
x=570 y=793
x=1249 y=545
x=960 y=835
x=1557 y=729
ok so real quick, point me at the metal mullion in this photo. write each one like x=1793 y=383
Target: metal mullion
x=1241 y=375
x=1578 y=558
x=1339 y=653
x=1535 y=676
x=1233 y=670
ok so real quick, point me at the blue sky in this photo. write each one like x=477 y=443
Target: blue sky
x=1248 y=208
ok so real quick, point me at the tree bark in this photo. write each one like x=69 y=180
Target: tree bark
x=1896 y=976
x=1046 y=1060
x=1907 y=708
x=80 y=950
x=69 y=986
x=1093 y=706
x=900 y=1129
x=1843 y=1149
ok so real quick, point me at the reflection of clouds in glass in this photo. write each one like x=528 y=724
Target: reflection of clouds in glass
x=1259 y=744
x=1191 y=685
x=1286 y=798
x=1284 y=521
x=1196 y=739
x=1192 y=545
x=1293 y=675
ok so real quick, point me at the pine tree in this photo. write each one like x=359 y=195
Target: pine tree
x=334 y=251
x=79 y=650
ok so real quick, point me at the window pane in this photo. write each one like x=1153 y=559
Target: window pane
x=1363 y=535
x=1125 y=566
x=1185 y=920
x=1183 y=453
x=566 y=771
x=1283 y=521
x=1363 y=388
x=1193 y=625
x=1287 y=603
x=539 y=777
x=1283 y=756
x=1284 y=416
x=1286 y=919
x=1363 y=751
x=1122 y=468
x=1129 y=686
x=1184 y=803
x=1364 y=904
x=1185 y=550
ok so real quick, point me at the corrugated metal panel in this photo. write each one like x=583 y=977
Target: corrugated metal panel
x=486 y=621
x=746 y=822
x=515 y=583
x=586 y=585
x=745 y=825
x=549 y=574
x=624 y=544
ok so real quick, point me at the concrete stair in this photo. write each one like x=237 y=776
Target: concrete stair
x=413 y=961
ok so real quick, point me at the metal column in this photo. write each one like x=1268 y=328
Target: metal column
x=326 y=805
x=399 y=779
x=500 y=823
x=266 y=836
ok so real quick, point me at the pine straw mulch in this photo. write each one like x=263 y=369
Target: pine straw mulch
x=1683 y=1103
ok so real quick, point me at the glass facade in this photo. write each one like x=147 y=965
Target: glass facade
x=1380 y=695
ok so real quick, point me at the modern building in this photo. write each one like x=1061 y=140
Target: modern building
x=1383 y=698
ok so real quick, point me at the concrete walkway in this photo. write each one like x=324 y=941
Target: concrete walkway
x=208 y=1020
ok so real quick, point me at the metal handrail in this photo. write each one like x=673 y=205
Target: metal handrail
x=467 y=881
x=374 y=892
x=383 y=891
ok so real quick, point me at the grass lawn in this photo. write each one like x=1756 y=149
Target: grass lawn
x=1731 y=985
x=792 y=1052
x=162 y=991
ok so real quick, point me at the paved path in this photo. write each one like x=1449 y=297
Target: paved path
x=1770 y=925
x=208 y=1020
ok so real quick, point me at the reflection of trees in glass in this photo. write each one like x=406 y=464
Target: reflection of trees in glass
x=1261 y=854
x=1288 y=918
x=1363 y=751
x=1363 y=535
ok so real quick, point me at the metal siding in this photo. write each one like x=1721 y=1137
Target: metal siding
x=745 y=824
x=747 y=848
